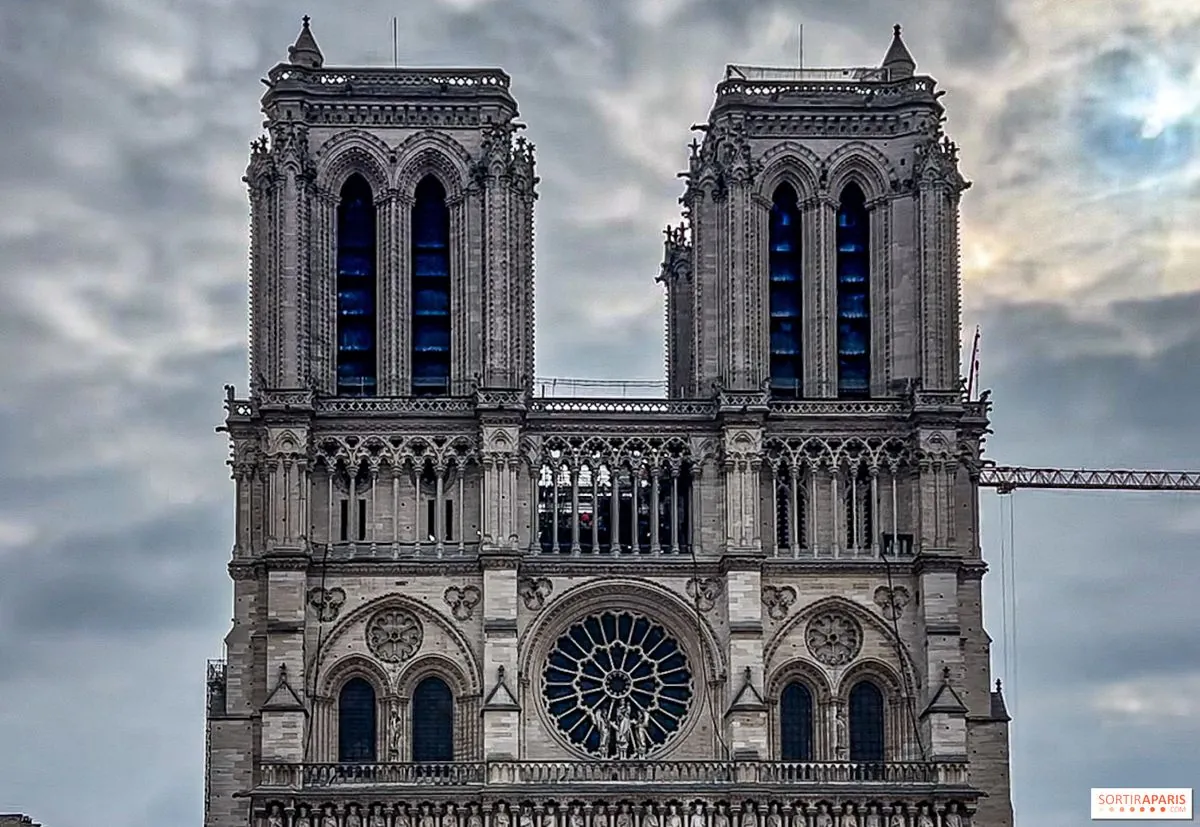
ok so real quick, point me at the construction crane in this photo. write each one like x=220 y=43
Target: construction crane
x=1006 y=479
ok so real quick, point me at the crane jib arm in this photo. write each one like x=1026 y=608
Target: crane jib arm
x=1008 y=478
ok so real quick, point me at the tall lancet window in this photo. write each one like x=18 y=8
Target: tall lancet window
x=356 y=721
x=853 y=286
x=433 y=721
x=785 y=265
x=866 y=722
x=431 y=290
x=796 y=723
x=356 y=290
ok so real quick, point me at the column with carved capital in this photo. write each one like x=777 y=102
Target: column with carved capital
x=819 y=223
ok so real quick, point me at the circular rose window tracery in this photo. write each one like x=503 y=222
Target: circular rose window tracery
x=617 y=685
x=833 y=638
x=394 y=635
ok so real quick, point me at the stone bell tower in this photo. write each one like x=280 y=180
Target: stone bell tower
x=819 y=252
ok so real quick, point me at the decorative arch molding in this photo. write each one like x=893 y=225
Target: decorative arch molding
x=877 y=672
x=803 y=671
x=433 y=665
x=616 y=594
x=789 y=162
x=862 y=163
x=345 y=668
x=430 y=618
x=866 y=617
x=432 y=153
x=349 y=152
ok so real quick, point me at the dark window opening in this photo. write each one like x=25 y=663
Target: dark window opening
x=449 y=533
x=345 y=521
x=356 y=290
x=431 y=290
x=786 y=264
x=356 y=721
x=362 y=520
x=866 y=722
x=897 y=545
x=796 y=723
x=433 y=721
x=431 y=519
x=853 y=294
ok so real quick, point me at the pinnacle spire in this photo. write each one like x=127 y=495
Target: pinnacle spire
x=898 y=59
x=305 y=52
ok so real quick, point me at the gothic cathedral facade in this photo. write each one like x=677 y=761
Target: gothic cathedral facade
x=753 y=603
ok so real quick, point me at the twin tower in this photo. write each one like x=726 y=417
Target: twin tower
x=754 y=603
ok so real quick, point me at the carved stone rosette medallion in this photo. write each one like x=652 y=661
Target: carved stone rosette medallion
x=834 y=638
x=394 y=635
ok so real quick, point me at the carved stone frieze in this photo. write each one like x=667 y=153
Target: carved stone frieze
x=704 y=592
x=535 y=591
x=778 y=601
x=327 y=602
x=462 y=601
x=891 y=601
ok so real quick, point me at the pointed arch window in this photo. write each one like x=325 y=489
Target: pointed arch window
x=866 y=722
x=433 y=721
x=431 y=290
x=853 y=293
x=356 y=721
x=785 y=266
x=796 y=723
x=356 y=290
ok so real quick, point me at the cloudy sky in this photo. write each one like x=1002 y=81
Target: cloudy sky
x=124 y=126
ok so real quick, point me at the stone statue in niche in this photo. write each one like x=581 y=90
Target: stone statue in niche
x=450 y=816
x=823 y=819
x=427 y=818
x=898 y=818
x=353 y=818
x=548 y=818
x=601 y=817
x=774 y=818
x=623 y=729
x=275 y=818
x=650 y=818
x=951 y=817
x=303 y=819
x=329 y=817
x=474 y=818
x=624 y=817
x=849 y=819
x=395 y=728
x=750 y=817
x=673 y=819
x=696 y=818
x=720 y=819
x=501 y=818
x=600 y=722
x=873 y=818
x=402 y=817
x=377 y=818
x=576 y=819
x=841 y=736
x=526 y=818
x=924 y=818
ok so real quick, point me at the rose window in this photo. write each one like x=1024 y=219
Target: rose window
x=833 y=638
x=394 y=635
x=617 y=685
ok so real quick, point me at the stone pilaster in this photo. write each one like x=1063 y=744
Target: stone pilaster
x=501 y=712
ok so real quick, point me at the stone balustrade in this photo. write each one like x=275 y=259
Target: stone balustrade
x=660 y=774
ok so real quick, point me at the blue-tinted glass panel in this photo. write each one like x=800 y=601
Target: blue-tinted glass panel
x=433 y=721
x=866 y=722
x=785 y=266
x=431 y=289
x=853 y=293
x=356 y=721
x=796 y=723
x=356 y=289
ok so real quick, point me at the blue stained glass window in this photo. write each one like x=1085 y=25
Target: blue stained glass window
x=866 y=722
x=796 y=723
x=785 y=266
x=356 y=721
x=853 y=293
x=431 y=290
x=433 y=721
x=356 y=289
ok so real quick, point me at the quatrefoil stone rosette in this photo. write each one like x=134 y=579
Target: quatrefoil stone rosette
x=833 y=638
x=394 y=635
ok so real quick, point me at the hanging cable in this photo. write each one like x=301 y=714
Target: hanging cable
x=909 y=679
x=310 y=699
